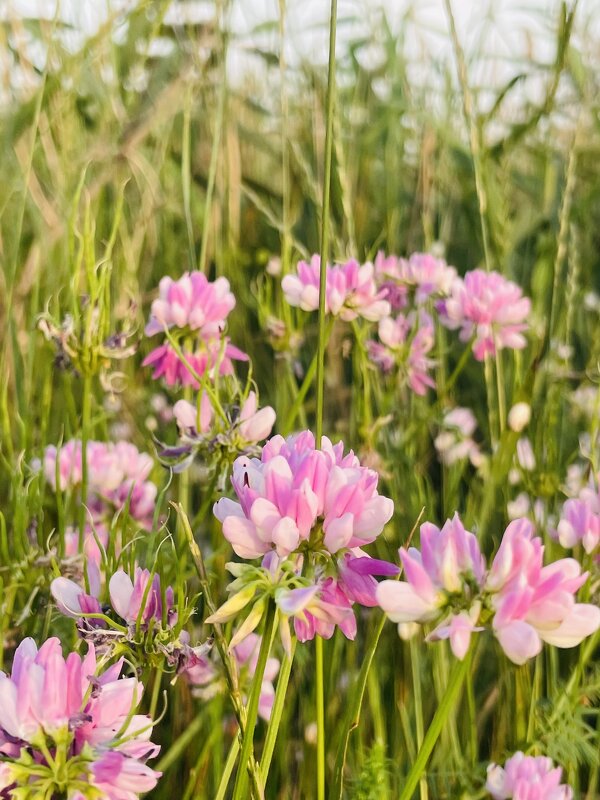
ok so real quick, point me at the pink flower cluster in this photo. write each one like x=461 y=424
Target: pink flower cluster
x=423 y=273
x=527 y=778
x=488 y=309
x=580 y=520
x=50 y=704
x=350 y=290
x=296 y=494
x=455 y=440
x=447 y=583
x=195 y=309
x=140 y=599
x=203 y=674
x=117 y=474
x=404 y=343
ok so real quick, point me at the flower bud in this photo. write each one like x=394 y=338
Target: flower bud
x=519 y=416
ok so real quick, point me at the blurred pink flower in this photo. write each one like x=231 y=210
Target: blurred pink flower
x=167 y=365
x=350 y=291
x=454 y=442
x=490 y=308
x=405 y=342
x=580 y=519
x=117 y=475
x=527 y=778
x=292 y=488
x=191 y=302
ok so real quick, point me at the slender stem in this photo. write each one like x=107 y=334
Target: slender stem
x=85 y=433
x=447 y=703
x=500 y=385
x=322 y=343
x=275 y=720
x=229 y=765
x=240 y=791
x=320 y=693
x=325 y=223
x=418 y=699
x=491 y=400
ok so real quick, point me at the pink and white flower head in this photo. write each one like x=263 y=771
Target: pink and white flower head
x=117 y=475
x=192 y=302
x=455 y=440
x=535 y=603
x=295 y=493
x=489 y=309
x=527 y=778
x=449 y=565
x=404 y=342
x=428 y=275
x=58 y=703
x=580 y=520
x=350 y=290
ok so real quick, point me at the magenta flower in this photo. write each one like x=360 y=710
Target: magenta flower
x=527 y=778
x=405 y=343
x=208 y=359
x=488 y=308
x=356 y=571
x=350 y=290
x=296 y=493
x=191 y=302
x=449 y=565
x=532 y=603
x=50 y=704
x=580 y=520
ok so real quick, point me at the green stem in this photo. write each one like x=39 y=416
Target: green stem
x=275 y=720
x=320 y=693
x=240 y=791
x=447 y=703
x=85 y=432
x=418 y=699
x=229 y=765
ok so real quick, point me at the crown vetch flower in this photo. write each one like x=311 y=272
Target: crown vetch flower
x=490 y=308
x=296 y=494
x=191 y=302
x=209 y=358
x=535 y=603
x=527 y=778
x=117 y=475
x=54 y=705
x=350 y=290
x=449 y=566
x=580 y=519
x=318 y=609
x=454 y=442
x=404 y=342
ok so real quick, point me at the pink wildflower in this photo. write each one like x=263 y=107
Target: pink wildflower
x=454 y=442
x=208 y=358
x=449 y=563
x=318 y=609
x=293 y=487
x=532 y=603
x=490 y=308
x=350 y=290
x=580 y=519
x=405 y=342
x=527 y=778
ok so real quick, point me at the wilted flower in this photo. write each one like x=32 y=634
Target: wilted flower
x=527 y=778
x=350 y=290
x=489 y=309
x=296 y=496
x=89 y=724
x=404 y=342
